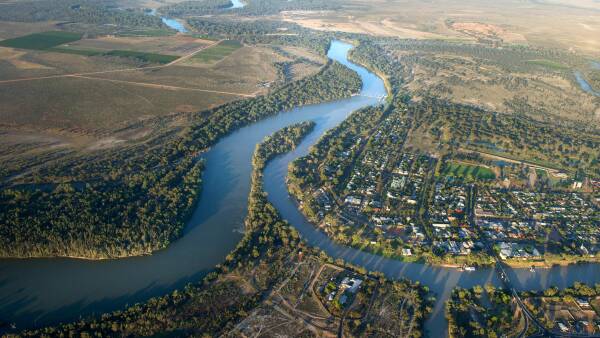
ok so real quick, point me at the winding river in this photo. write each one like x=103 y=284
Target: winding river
x=36 y=292
x=180 y=27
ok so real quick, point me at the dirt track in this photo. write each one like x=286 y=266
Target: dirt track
x=144 y=84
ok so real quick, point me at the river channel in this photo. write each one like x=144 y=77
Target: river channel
x=35 y=292
x=170 y=22
x=180 y=27
x=586 y=86
x=236 y=4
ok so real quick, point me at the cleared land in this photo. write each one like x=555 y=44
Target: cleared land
x=218 y=52
x=499 y=80
x=561 y=24
x=80 y=83
x=171 y=45
x=41 y=41
x=9 y=29
x=146 y=57
x=89 y=98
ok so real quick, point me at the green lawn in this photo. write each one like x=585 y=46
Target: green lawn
x=548 y=64
x=218 y=52
x=468 y=171
x=147 y=57
x=41 y=41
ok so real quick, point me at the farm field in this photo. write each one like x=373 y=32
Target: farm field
x=80 y=103
x=93 y=55
x=170 y=45
x=548 y=64
x=109 y=92
x=551 y=24
x=41 y=41
x=218 y=52
x=143 y=56
x=79 y=100
x=241 y=73
x=146 y=49
x=11 y=29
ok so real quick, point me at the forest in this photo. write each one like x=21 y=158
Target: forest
x=252 y=8
x=268 y=7
x=82 y=11
x=512 y=135
x=257 y=267
x=215 y=304
x=468 y=317
x=261 y=31
x=133 y=202
x=189 y=8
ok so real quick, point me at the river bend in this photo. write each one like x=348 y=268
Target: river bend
x=35 y=292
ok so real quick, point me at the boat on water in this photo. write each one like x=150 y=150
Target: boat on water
x=532 y=268
x=469 y=268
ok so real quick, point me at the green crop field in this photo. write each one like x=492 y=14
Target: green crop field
x=84 y=52
x=41 y=41
x=468 y=171
x=147 y=57
x=218 y=52
x=548 y=64
x=204 y=37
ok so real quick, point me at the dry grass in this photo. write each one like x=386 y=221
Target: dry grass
x=552 y=94
x=291 y=310
x=9 y=30
x=549 y=23
x=170 y=45
x=100 y=102
x=46 y=119
x=487 y=31
x=82 y=104
x=14 y=57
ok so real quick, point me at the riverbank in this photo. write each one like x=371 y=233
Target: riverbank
x=547 y=262
x=33 y=291
x=231 y=289
x=270 y=265
x=175 y=24
x=62 y=290
x=88 y=228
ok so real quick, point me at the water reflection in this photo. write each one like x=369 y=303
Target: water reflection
x=172 y=23
x=237 y=4
x=584 y=84
x=45 y=291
